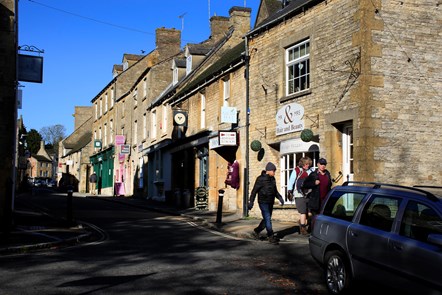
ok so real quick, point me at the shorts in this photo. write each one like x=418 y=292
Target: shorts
x=301 y=205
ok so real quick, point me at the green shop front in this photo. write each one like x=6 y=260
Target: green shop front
x=103 y=165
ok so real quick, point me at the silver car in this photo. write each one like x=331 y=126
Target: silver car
x=379 y=232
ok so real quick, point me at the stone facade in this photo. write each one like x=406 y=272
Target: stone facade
x=373 y=70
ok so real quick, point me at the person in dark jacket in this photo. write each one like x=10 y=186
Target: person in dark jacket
x=320 y=184
x=265 y=187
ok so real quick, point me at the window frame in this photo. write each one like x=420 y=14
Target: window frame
x=304 y=59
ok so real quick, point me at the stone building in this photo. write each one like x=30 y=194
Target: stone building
x=74 y=165
x=364 y=76
x=118 y=113
x=40 y=165
x=205 y=105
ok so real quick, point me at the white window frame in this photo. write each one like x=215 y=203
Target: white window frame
x=101 y=107
x=111 y=129
x=288 y=163
x=226 y=91
x=144 y=88
x=112 y=96
x=106 y=104
x=298 y=61
x=188 y=64
x=347 y=153
x=135 y=97
x=175 y=75
x=105 y=135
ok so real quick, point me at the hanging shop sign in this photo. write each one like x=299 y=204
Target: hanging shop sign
x=289 y=119
x=228 y=138
x=179 y=118
x=97 y=144
x=229 y=115
x=119 y=140
x=125 y=149
x=30 y=68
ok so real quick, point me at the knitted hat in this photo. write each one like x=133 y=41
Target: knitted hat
x=270 y=167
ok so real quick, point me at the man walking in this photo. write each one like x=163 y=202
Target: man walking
x=265 y=187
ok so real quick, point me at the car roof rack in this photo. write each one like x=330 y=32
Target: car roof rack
x=377 y=185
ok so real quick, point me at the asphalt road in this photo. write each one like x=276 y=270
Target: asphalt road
x=137 y=251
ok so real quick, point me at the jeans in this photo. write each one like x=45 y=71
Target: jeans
x=266 y=222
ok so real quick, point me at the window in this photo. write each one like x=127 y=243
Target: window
x=154 y=124
x=188 y=64
x=111 y=127
x=105 y=135
x=298 y=67
x=96 y=111
x=203 y=111
x=343 y=205
x=144 y=126
x=175 y=75
x=135 y=94
x=164 y=120
x=347 y=152
x=203 y=156
x=101 y=107
x=105 y=103
x=144 y=88
x=112 y=96
x=419 y=221
x=380 y=212
x=226 y=91
x=289 y=163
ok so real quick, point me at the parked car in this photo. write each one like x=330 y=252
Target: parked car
x=386 y=233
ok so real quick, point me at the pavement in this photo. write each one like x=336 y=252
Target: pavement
x=35 y=230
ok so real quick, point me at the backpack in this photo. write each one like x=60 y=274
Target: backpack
x=299 y=183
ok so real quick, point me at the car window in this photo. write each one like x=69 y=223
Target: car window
x=419 y=221
x=343 y=205
x=380 y=212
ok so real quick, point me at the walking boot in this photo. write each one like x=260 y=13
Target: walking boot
x=273 y=240
x=303 y=230
x=255 y=234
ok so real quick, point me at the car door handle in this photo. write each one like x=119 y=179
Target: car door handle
x=397 y=246
x=352 y=233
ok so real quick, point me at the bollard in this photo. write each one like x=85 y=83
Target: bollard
x=219 y=213
x=70 y=190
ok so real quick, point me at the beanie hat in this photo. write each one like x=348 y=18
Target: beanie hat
x=270 y=167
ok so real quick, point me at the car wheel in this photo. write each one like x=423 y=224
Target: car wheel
x=337 y=272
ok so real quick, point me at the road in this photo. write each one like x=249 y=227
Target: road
x=139 y=251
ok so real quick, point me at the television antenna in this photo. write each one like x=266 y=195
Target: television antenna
x=182 y=20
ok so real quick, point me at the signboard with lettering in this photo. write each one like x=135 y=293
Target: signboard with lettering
x=289 y=119
x=229 y=115
x=228 y=138
x=125 y=149
x=119 y=140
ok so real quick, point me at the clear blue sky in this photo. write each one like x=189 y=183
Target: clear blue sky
x=83 y=39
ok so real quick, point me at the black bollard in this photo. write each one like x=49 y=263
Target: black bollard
x=69 y=215
x=219 y=213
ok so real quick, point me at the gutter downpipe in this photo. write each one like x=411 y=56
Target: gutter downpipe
x=246 y=168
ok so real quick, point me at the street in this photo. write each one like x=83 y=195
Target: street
x=138 y=251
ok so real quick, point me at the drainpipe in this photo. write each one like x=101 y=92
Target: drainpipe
x=246 y=167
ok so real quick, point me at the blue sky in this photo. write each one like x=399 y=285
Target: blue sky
x=83 y=39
